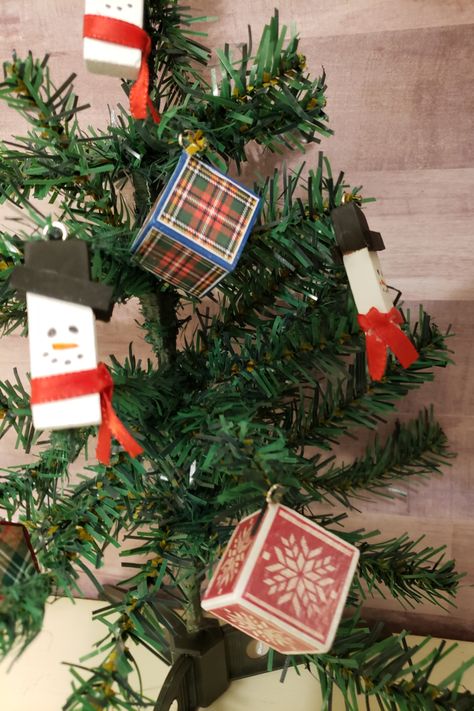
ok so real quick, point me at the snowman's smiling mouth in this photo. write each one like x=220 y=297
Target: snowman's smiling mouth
x=79 y=356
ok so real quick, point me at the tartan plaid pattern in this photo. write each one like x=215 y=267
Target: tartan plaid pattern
x=208 y=208
x=17 y=560
x=178 y=264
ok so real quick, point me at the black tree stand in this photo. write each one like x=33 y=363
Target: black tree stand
x=206 y=663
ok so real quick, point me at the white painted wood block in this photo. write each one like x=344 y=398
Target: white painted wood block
x=62 y=340
x=107 y=57
x=366 y=281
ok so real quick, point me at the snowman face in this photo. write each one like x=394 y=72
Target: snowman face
x=127 y=10
x=61 y=336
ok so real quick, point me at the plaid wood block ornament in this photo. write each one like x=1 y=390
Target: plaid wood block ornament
x=17 y=558
x=197 y=228
x=285 y=584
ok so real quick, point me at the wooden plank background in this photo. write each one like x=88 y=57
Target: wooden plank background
x=400 y=99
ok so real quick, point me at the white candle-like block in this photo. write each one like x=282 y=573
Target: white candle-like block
x=110 y=58
x=62 y=340
x=366 y=281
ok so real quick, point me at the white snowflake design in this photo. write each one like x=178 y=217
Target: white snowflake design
x=234 y=557
x=301 y=576
x=259 y=629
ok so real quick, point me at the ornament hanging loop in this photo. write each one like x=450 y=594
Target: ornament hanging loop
x=193 y=142
x=55 y=231
x=351 y=197
x=275 y=494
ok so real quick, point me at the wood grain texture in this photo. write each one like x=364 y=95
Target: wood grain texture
x=316 y=18
x=400 y=99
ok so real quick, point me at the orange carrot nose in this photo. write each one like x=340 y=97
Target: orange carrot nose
x=63 y=346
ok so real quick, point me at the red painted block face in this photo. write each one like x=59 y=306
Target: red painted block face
x=286 y=585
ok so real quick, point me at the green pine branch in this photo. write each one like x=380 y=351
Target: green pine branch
x=389 y=673
x=341 y=404
x=22 y=608
x=409 y=573
x=161 y=324
x=12 y=312
x=16 y=412
x=177 y=56
x=291 y=250
x=268 y=98
x=414 y=449
x=27 y=87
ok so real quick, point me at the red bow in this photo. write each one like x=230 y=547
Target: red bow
x=86 y=382
x=109 y=29
x=382 y=331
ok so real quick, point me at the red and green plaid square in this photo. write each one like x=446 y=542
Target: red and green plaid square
x=207 y=207
x=178 y=265
x=198 y=227
x=17 y=559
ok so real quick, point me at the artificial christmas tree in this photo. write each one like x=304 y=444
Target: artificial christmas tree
x=253 y=392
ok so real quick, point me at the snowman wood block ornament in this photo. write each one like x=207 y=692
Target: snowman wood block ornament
x=61 y=340
x=61 y=302
x=378 y=318
x=359 y=246
x=111 y=58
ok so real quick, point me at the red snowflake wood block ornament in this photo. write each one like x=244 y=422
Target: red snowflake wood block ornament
x=286 y=585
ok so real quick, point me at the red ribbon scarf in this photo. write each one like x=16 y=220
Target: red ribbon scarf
x=382 y=331
x=109 y=29
x=86 y=382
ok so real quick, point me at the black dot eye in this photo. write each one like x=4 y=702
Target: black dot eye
x=55 y=360
x=67 y=362
x=74 y=329
x=52 y=332
x=45 y=355
x=80 y=355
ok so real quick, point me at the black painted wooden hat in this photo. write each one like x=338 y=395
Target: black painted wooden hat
x=352 y=230
x=60 y=269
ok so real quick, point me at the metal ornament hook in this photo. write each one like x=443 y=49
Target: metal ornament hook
x=273 y=496
x=193 y=141
x=51 y=231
